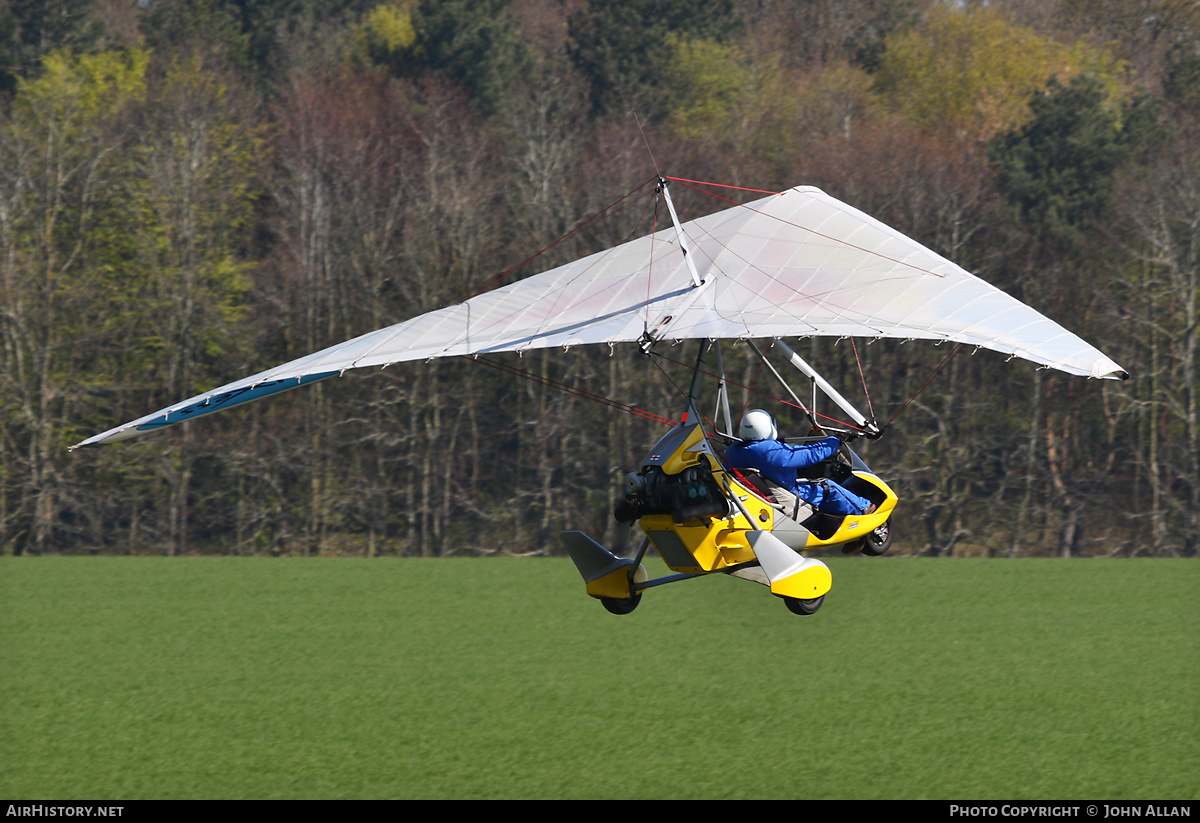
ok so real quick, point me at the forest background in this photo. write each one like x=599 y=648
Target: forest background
x=195 y=191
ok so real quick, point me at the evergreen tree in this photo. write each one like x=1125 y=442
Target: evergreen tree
x=1057 y=170
x=623 y=48
x=473 y=43
x=31 y=29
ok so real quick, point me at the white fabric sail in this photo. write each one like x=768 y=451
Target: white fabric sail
x=796 y=264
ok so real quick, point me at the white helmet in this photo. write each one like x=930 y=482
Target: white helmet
x=758 y=425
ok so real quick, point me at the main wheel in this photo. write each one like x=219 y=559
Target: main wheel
x=621 y=605
x=879 y=540
x=797 y=606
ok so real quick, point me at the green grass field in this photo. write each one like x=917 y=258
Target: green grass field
x=126 y=678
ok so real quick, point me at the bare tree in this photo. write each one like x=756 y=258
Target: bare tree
x=1162 y=210
x=61 y=154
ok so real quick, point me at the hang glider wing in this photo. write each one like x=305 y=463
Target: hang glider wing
x=795 y=264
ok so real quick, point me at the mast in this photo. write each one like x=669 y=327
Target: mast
x=683 y=241
x=652 y=335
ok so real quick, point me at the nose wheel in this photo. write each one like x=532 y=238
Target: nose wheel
x=879 y=540
x=797 y=606
x=874 y=544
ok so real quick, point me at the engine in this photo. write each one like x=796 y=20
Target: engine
x=692 y=494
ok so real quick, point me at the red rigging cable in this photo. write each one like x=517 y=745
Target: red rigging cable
x=937 y=370
x=607 y=211
x=863 y=378
x=689 y=183
x=795 y=225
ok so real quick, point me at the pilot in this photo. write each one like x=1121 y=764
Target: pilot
x=760 y=449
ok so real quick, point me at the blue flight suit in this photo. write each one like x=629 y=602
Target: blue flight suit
x=778 y=462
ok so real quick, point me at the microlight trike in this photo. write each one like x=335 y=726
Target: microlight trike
x=796 y=264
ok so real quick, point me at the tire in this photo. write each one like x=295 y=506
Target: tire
x=878 y=541
x=797 y=606
x=617 y=605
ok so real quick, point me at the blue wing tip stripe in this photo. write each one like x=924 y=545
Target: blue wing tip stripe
x=219 y=402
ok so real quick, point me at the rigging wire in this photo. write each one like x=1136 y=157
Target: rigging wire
x=863 y=378
x=752 y=390
x=585 y=224
x=646 y=142
x=938 y=370
x=671 y=380
x=572 y=390
x=689 y=183
x=805 y=228
x=753 y=383
x=629 y=408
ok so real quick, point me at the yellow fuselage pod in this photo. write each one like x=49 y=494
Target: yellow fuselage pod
x=718 y=542
x=712 y=543
x=860 y=525
x=709 y=543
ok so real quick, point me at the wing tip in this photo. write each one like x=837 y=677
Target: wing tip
x=1108 y=370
